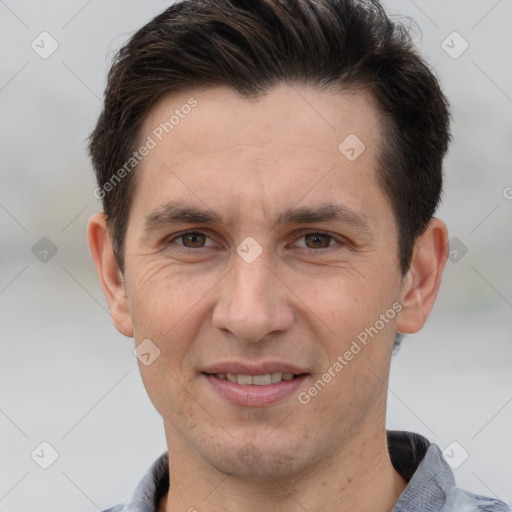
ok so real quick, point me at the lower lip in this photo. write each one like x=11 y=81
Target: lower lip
x=255 y=396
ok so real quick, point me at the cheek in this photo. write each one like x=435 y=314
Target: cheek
x=169 y=308
x=345 y=302
x=163 y=298
x=165 y=306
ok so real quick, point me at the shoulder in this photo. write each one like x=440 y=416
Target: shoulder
x=459 y=500
x=431 y=482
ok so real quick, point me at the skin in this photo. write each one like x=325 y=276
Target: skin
x=303 y=300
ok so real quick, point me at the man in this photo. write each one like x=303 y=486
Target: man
x=269 y=171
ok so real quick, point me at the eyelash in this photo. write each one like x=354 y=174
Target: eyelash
x=339 y=240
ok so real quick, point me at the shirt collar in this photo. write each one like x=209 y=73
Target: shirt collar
x=422 y=465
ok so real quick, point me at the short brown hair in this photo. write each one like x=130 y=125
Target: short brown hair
x=252 y=45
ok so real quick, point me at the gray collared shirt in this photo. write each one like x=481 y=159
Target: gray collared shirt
x=431 y=484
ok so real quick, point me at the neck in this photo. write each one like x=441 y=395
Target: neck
x=359 y=476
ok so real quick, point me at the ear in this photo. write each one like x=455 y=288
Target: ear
x=111 y=278
x=423 y=279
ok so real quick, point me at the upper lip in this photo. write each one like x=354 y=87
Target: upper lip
x=254 y=369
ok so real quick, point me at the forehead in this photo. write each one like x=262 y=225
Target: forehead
x=214 y=146
x=286 y=114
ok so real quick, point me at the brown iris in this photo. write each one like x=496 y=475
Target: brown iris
x=316 y=238
x=195 y=239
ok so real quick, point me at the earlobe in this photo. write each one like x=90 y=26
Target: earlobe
x=423 y=279
x=111 y=278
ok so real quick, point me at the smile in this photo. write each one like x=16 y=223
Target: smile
x=261 y=390
x=256 y=380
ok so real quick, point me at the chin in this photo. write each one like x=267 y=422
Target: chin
x=268 y=467
x=258 y=459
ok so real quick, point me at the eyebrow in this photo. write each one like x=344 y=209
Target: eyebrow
x=174 y=213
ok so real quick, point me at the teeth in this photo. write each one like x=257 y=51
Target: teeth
x=256 y=380
x=244 y=379
x=260 y=380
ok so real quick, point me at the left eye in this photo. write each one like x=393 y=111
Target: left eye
x=192 y=239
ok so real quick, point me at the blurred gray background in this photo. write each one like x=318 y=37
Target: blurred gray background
x=68 y=378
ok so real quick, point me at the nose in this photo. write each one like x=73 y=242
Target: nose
x=253 y=302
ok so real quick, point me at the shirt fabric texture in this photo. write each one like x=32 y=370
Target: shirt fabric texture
x=431 y=484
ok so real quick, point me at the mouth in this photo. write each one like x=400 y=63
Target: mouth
x=265 y=379
x=256 y=390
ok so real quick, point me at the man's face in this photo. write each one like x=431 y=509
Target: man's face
x=212 y=303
